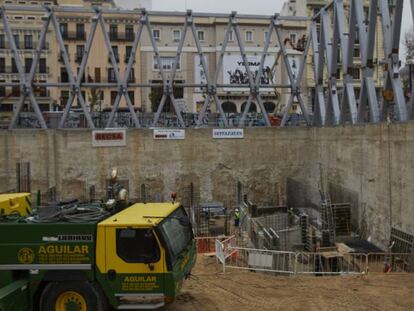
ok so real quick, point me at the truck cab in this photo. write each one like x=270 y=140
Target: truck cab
x=143 y=254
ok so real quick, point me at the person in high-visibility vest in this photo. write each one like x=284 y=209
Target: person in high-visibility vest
x=236 y=217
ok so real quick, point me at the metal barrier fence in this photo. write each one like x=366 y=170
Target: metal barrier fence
x=302 y=263
x=260 y=260
x=390 y=263
x=330 y=263
x=224 y=251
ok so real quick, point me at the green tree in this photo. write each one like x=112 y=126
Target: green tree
x=94 y=98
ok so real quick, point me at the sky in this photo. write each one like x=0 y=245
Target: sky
x=265 y=7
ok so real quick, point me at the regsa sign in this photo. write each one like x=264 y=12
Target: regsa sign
x=109 y=138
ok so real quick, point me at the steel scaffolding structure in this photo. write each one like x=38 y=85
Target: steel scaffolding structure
x=328 y=30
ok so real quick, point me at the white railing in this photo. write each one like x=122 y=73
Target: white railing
x=304 y=263
x=225 y=249
x=260 y=260
x=330 y=263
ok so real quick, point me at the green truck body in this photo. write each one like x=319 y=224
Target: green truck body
x=116 y=263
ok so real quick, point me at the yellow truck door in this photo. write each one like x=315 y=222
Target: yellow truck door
x=135 y=263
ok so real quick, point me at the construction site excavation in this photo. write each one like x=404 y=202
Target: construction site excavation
x=154 y=157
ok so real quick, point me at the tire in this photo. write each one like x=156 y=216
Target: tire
x=83 y=295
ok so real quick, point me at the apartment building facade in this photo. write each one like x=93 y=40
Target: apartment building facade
x=121 y=27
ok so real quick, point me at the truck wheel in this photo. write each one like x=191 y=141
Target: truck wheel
x=68 y=296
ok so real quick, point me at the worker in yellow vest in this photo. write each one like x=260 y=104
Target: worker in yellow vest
x=236 y=217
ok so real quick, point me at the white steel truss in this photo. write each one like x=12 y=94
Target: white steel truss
x=331 y=40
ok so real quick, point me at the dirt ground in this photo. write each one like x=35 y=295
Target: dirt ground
x=209 y=289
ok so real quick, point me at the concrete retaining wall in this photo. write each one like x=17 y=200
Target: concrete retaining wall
x=370 y=166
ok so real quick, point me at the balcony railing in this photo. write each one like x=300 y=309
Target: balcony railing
x=13 y=70
x=22 y=46
x=74 y=35
x=121 y=36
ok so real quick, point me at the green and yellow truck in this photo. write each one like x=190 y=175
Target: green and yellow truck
x=135 y=259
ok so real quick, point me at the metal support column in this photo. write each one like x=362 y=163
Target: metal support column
x=392 y=35
x=294 y=81
x=368 y=95
x=348 y=102
x=74 y=83
x=25 y=82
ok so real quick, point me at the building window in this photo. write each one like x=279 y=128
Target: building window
x=131 y=77
x=231 y=37
x=116 y=54
x=14 y=66
x=2 y=91
x=200 y=35
x=15 y=89
x=126 y=241
x=64 y=77
x=42 y=65
x=132 y=97
x=2 y=42
x=16 y=41
x=81 y=78
x=338 y=73
x=61 y=53
x=176 y=35
x=229 y=107
x=114 y=94
x=64 y=96
x=128 y=51
x=249 y=36
x=2 y=65
x=80 y=50
x=113 y=32
x=28 y=41
x=64 y=30
x=42 y=91
x=357 y=51
x=111 y=75
x=97 y=74
x=292 y=37
x=80 y=31
x=167 y=63
x=28 y=64
x=156 y=34
x=129 y=32
x=356 y=73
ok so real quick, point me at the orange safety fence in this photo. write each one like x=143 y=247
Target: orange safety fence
x=207 y=244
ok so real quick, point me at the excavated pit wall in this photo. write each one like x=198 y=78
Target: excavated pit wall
x=370 y=166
